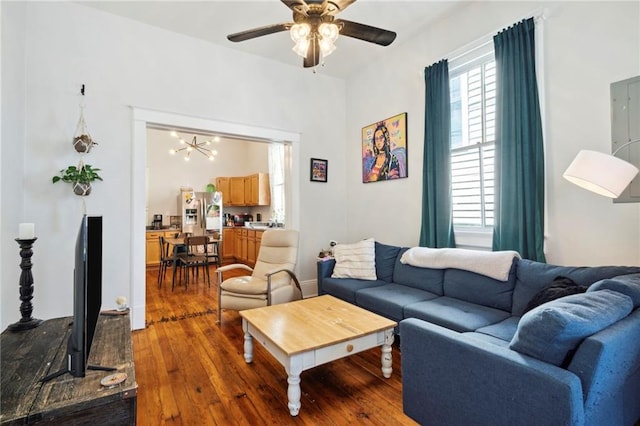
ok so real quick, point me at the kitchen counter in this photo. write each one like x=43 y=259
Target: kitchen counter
x=162 y=229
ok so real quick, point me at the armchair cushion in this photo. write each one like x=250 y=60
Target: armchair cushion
x=245 y=285
x=355 y=260
x=551 y=331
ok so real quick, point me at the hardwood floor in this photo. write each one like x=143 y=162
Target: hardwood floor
x=191 y=371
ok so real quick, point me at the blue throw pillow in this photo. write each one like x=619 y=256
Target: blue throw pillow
x=385 y=261
x=553 y=330
x=625 y=284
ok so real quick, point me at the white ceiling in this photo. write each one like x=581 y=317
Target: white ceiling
x=213 y=20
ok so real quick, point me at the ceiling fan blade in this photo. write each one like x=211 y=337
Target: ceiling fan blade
x=335 y=6
x=313 y=54
x=259 y=32
x=366 y=32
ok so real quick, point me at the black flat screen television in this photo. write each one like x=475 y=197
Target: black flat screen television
x=87 y=297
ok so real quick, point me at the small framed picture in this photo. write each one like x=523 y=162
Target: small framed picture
x=319 y=170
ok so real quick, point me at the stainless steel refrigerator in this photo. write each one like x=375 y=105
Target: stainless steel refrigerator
x=201 y=212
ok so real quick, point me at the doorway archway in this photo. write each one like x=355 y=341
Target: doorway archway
x=143 y=118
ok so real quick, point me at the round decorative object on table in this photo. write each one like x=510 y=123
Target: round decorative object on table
x=113 y=379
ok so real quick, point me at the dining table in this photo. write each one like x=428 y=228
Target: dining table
x=176 y=242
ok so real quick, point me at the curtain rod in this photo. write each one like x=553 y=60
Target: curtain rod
x=537 y=15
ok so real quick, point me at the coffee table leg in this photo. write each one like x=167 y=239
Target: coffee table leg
x=294 y=369
x=386 y=353
x=248 y=342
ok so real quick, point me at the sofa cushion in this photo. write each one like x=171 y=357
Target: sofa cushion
x=486 y=338
x=355 y=260
x=386 y=256
x=560 y=287
x=503 y=330
x=455 y=314
x=625 y=284
x=551 y=331
x=421 y=278
x=389 y=300
x=480 y=289
x=533 y=276
x=346 y=288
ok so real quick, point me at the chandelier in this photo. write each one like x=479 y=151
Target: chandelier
x=306 y=36
x=194 y=145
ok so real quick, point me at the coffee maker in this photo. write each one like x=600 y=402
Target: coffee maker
x=157 y=221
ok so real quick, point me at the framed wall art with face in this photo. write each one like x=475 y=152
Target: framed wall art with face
x=384 y=149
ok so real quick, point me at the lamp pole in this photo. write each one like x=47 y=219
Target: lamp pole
x=623 y=145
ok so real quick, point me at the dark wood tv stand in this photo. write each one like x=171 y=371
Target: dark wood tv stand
x=28 y=356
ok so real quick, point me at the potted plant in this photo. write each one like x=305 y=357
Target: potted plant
x=79 y=177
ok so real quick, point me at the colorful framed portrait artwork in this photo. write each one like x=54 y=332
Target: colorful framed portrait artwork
x=319 y=170
x=384 y=149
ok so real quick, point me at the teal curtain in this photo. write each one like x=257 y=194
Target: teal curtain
x=437 y=225
x=519 y=198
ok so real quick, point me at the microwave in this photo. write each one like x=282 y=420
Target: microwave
x=241 y=219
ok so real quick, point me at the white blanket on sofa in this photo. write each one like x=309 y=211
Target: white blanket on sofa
x=493 y=264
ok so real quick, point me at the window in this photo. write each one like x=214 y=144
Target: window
x=473 y=101
x=276 y=180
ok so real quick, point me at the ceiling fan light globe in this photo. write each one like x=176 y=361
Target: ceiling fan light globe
x=301 y=47
x=328 y=31
x=172 y=151
x=300 y=32
x=211 y=158
x=326 y=47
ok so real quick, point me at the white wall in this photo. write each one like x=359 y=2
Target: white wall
x=51 y=48
x=12 y=159
x=124 y=64
x=167 y=173
x=587 y=46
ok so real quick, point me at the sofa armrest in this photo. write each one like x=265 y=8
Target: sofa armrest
x=455 y=379
x=325 y=269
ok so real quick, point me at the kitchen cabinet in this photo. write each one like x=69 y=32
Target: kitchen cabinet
x=259 y=193
x=243 y=245
x=247 y=191
x=252 y=190
x=251 y=247
x=223 y=186
x=237 y=244
x=246 y=245
x=152 y=253
x=236 y=191
x=228 y=244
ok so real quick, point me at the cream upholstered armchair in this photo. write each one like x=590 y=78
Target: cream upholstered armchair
x=272 y=280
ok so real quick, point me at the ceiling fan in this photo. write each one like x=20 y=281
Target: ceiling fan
x=315 y=28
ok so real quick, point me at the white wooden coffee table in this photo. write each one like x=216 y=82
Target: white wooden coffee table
x=307 y=333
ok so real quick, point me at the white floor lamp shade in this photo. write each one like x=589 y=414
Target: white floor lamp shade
x=601 y=173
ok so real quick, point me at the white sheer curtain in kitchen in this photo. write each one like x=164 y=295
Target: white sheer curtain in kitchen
x=276 y=181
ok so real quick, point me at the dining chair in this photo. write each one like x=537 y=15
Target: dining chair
x=166 y=260
x=196 y=256
x=272 y=280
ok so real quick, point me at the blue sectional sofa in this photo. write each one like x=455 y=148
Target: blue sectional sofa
x=470 y=356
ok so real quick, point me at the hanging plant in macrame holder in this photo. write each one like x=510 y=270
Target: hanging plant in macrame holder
x=82 y=141
x=82 y=189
